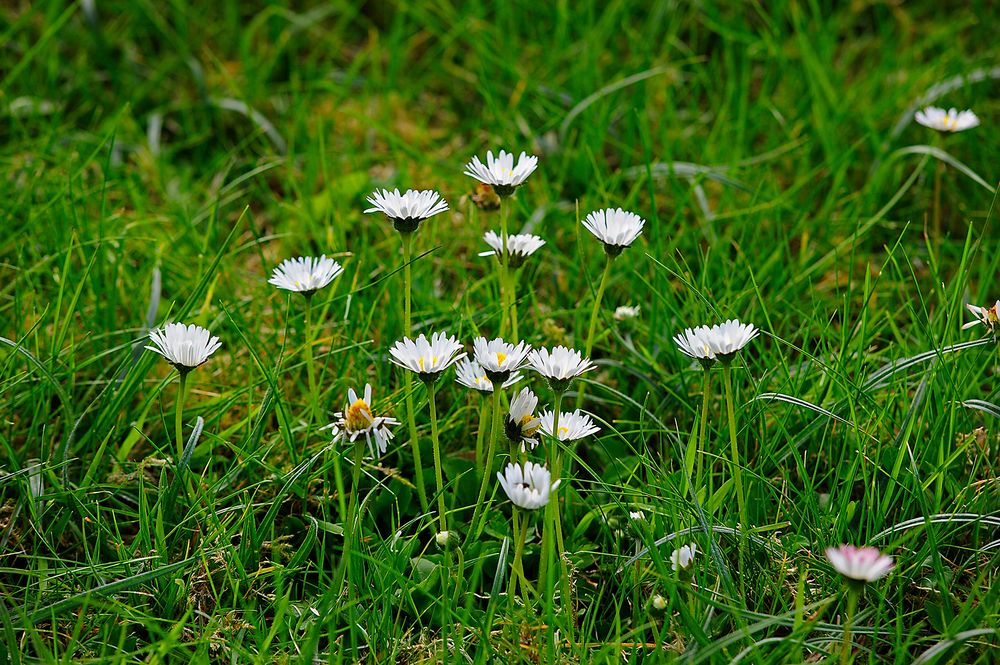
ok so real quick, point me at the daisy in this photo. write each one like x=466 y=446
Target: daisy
x=184 y=347
x=718 y=342
x=358 y=420
x=519 y=247
x=521 y=425
x=626 y=312
x=573 y=425
x=407 y=210
x=427 y=358
x=306 y=274
x=529 y=486
x=499 y=358
x=501 y=172
x=636 y=515
x=860 y=564
x=988 y=316
x=616 y=228
x=560 y=365
x=946 y=121
x=682 y=558
x=470 y=374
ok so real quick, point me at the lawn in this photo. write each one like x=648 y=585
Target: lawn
x=159 y=161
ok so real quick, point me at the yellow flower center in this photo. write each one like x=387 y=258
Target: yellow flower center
x=530 y=431
x=563 y=431
x=483 y=380
x=500 y=358
x=420 y=363
x=359 y=415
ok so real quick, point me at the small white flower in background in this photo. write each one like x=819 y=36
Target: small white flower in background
x=659 y=603
x=682 y=557
x=636 y=515
x=529 y=486
x=559 y=366
x=720 y=341
x=520 y=424
x=946 y=121
x=184 y=347
x=861 y=564
x=616 y=228
x=519 y=246
x=407 y=210
x=573 y=425
x=499 y=358
x=358 y=420
x=626 y=312
x=988 y=316
x=427 y=358
x=306 y=274
x=442 y=538
x=470 y=374
x=501 y=172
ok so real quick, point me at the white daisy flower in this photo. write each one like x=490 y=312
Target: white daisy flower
x=659 y=603
x=501 y=172
x=573 y=425
x=427 y=358
x=616 y=228
x=626 y=312
x=184 y=347
x=559 y=366
x=306 y=274
x=470 y=374
x=720 y=341
x=861 y=564
x=636 y=515
x=946 y=121
x=529 y=486
x=988 y=316
x=357 y=420
x=499 y=358
x=519 y=246
x=407 y=210
x=682 y=557
x=520 y=425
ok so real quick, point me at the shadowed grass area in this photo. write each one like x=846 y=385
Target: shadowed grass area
x=158 y=160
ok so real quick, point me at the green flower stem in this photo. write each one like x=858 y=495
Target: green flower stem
x=512 y=295
x=592 y=328
x=411 y=416
x=352 y=528
x=727 y=373
x=852 y=606
x=521 y=534
x=310 y=366
x=487 y=469
x=484 y=411
x=697 y=447
x=504 y=263
x=436 y=447
x=179 y=416
x=553 y=527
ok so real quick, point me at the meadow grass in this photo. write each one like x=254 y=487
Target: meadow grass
x=158 y=160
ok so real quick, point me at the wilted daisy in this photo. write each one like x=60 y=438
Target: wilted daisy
x=470 y=374
x=407 y=210
x=358 y=420
x=682 y=557
x=499 y=358
x=519 y=247
x=988 y=316
x=501 y=172
x=573 y=425
x=946 y=121
x=720 y=341
x=626 y=312
x=614 y=227
x=529 y=486
x=306 y=274
x=521 y=425
x=184 y=347
x=427 y=358
x=861 y=564
x=559 y=366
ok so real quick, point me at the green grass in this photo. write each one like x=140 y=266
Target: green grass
x=157 y=160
